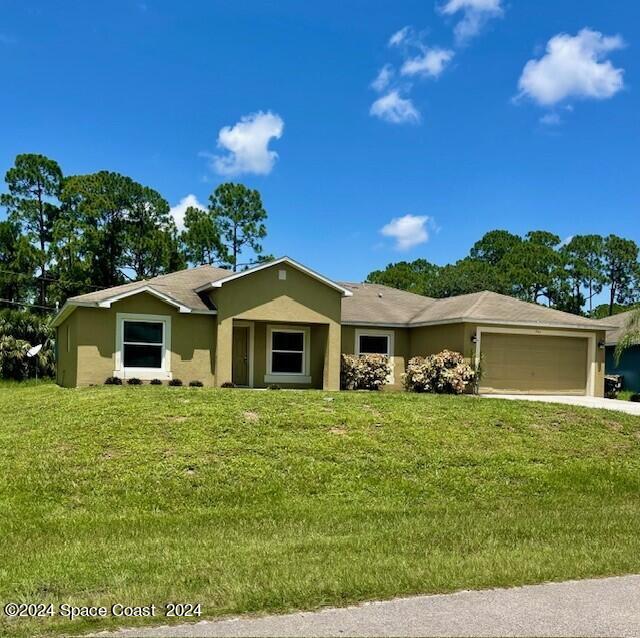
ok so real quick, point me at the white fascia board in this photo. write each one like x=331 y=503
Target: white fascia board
x=67 y=309
x=492 y=322
x=282 y=260
x=375 y=324
x=106 y=303
x=506 y=322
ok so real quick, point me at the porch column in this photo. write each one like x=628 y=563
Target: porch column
x=224 y=352
x=332 y=351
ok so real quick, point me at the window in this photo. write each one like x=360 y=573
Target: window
x=287 y=352
x=374 y=344
x=143 y=346
x=287 y=355
x=372 y=341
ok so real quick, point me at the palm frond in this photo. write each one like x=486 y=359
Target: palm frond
x=630 y=337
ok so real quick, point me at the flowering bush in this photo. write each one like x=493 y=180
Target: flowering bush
x=443 y=373
x=364 y=372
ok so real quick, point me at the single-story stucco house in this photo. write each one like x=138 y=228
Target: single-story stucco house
x=629 y=365
x=282 y=323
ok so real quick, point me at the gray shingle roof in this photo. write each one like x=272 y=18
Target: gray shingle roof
x=618 y=323
x=373 y=303
x=180 y=286
x=370 y=303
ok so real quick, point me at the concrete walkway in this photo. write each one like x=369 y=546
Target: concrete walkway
x=587 y=402
x=589 y=608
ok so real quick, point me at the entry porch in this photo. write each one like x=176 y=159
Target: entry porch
x=258 y=354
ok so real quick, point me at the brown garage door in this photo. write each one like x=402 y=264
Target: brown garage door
x=533 y=364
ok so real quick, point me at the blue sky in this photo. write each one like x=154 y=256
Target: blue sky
x=464 y=137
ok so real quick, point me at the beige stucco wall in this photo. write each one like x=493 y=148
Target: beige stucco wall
x=428 y=340
x=67 y=353
x=192 y=340
x=401 y=337
x=264 y=298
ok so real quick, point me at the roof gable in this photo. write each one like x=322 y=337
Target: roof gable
x=219 y=282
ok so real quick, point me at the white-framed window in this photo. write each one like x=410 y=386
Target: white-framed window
x=288 y=354
x=143 y=346
x=370 y=341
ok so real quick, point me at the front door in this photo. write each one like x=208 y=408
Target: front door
x=240 y=374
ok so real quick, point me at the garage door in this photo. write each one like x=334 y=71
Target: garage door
x=533 y=364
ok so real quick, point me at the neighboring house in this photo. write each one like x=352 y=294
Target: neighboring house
x=629 y=365
x=282 y=323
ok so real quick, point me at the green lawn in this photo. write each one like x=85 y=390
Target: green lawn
x=250 y=501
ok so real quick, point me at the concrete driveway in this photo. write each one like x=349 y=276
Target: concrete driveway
x=589 y=608
x=587 y=402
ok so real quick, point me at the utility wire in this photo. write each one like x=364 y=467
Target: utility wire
x=40 y=277
x=28 y=305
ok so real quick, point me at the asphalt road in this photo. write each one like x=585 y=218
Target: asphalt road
x=598 y=607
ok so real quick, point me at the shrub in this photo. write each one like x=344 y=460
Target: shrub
x=175 y=382
x=228 y=384
x=134 y=381
x=364 y=372
x=195 y=384
x=113 y=381
x=635 y=398
x=443 y=373
x=19 y=331
x=274 y=386
x=155 y=382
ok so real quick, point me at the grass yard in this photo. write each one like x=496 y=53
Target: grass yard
x=250 y=501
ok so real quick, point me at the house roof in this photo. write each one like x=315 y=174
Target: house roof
x=617 y=324
x=362 y=304
x=375 y=304
x=177 y=288
x=184 y=289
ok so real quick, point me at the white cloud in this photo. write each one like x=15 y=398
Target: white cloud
x=476 y=14
x=178 y=211
x=248 y=144
x=408 y=231
x=573 y=67
x=550 y=119
x=399 y=37
x=383 y=78
x=430 y=64
x=395 y=109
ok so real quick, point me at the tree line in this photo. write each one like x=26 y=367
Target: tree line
x=68 y=235
x=538 y=268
